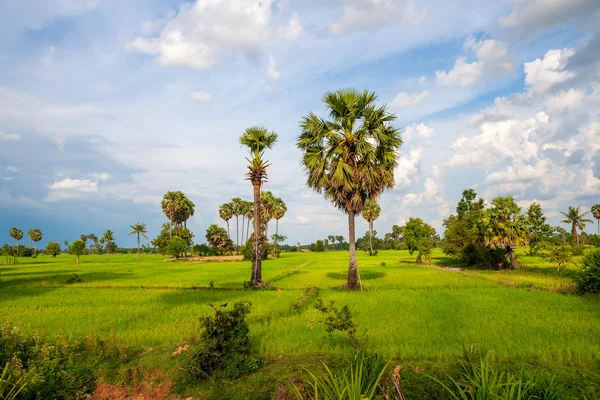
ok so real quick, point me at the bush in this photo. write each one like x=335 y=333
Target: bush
x=52 y=249
x=588 y=278
x=176 y=246
x=224 y=344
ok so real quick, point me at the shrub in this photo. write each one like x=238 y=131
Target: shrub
x=338 y=319
x=247 y=249
x=52 y=249
x=561 y=255
x=224 y=344
x=77 y=249
x=588 y=278
x=176 y=246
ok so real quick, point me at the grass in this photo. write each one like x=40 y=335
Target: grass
x=409 y=312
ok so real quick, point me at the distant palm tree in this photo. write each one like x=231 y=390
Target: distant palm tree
x=237 y=208
x=226 y=213
x=249 y=209
x=279 y=210
x=138 y=229
x=596 y=214
x=17 y=235
x=84 y=239
x=108 y=238
x=267 y=202
x=370 y=214
x=93 y=239
x=351 y=157
x=170 y=205
x=35 y=235
x=257 y=140
x=577 y=221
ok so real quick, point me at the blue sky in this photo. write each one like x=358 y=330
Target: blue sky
x=105 y=105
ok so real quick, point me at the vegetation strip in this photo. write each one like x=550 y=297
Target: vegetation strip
x=289 y=272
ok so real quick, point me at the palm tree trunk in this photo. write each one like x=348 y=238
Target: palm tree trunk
x=256 y=259
x=35 y=246
x=247 y=230
x=237 y=234
x=228 y=233
x=598 y=227
x=138 y=252
x=514 y=264
x=243 y=219
x=352 y=283
x=275 y=253
x=574 y=233
x=371 y=237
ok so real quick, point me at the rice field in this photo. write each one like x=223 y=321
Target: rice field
x=407 y=311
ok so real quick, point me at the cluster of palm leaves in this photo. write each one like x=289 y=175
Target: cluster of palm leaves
x=236 y=208
x=370 y=214
x=178 y=208
x=35 y=235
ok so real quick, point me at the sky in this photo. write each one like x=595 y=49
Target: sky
x=105 y=105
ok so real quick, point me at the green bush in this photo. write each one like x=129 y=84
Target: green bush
x=224 y=344
x=176 y=246
x=588 y=278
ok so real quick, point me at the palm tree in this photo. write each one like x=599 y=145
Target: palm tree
x=170 y=207
x=236 y=204
x=267 y=202
x=370 y=214
x=577 y=221
x=226 y=213
x=249 y=210
x=17 y=235
x=84 y=239
x=257 y=139
x=279 y=210
x=138 y=229
x=351 y=157
x=35 y=235
x=596 y=214
x=108 y=237
x=93 y=239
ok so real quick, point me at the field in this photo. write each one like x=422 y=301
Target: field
x=409 y=313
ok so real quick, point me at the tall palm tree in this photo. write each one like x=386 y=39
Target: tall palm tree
x=370 y=214
x=596 y=214
x=351 y=157
x=257 y=139
x=226 y=213
x=84 y=239
x=249 y=210
x=138 y=229
x=267 y=202
x=170 y=206
x=577 y=221
x=236 y=203
x=35 y=235
x=279 y=210
x=93 y=239
x=108 y=238
x=17 y=235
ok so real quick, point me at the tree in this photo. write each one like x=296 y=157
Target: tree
x=419 y=236
x=560 y=255
x=596 y=214
x=279 y=210
x=138 y=229
x=94 y=240
x=237 y=208
x=161 y=242
x=84 y=239
x=170 y=206
x=505 y=228
x=217 y=237
x=177 y=246
x=178 y=209
x=35 y=235
x=53 y=249
x=77 y=249
x=351 y=157
x=370 y=214
x=257 y=140
x=108 y=237
x=267 y=202
x=536 y=225
x=577 y=221
x=249 y=209
x=226 y=213
x=17 y=235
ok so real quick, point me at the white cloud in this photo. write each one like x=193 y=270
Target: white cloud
x=201 y=97
x=403 y=99
x=541 y=75
x=420 y=130
x=12 y=168
x=200 y=33
x=10 y=137
x=7 y=178
x=272 y=74
x=408 y=167
x=429 y=195
x=69 y=188
x=102 y=177
x=493 y=61
x=294 y=28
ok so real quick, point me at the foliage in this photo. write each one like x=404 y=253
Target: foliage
x=224 y=344
x=161 y=242
x=248 y=249
x=276 y=239
x=576 y=218
x=176 y=247
x=560 y=255
x=177 y=207
x=588 y=278
x=418 y=235
x=539 y=230
x=52 y=249
x=11 y=386
x=77 y=248
x=201 y=249
x=319 y=247
x=35 y=235
x=338 y=319
x=218 y=239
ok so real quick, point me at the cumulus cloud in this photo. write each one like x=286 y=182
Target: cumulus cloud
x=408 y=167
x=431 y=194
x=9 y=137
x=403 y=99
x=542 y=74
x=201 y=97
x=69 y=188
x=294 y=28
x=420 y=130
x=492 y=61
x=201 y=32
x=12 y=168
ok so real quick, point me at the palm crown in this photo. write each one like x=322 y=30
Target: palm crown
x=257 y=139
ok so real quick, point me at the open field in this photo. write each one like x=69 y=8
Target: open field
x=409 y=311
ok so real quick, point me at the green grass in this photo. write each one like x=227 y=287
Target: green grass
x=408 y=311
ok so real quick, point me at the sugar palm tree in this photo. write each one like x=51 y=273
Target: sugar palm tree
x=267 y=202
x=35 y=235
x=226 y=213
x=138 y=229
x=93 y=239
x=108 y=238
x=17 y=235
x=596 y=214
x=351 y=157
x=170 y=206
x=279 y=210
x=370 y=214
x=237 y=208
x=249 y=210
x=257 y=140
x=576 y=218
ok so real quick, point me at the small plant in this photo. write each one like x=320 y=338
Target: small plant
x=338 y=319
x=383 y=264
x=224 y=344
x=561 y=255
x=588 y=278
x=11 y=385
x=74 y=279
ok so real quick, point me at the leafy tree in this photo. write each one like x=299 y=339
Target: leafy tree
x=351 y=157
x=319 y=246
x=576 y=218
x=561 y=255
x=77 y=249
x=108 y=238
x=138 y=229
x=537 y=227
x=419 y=236
x=17 y=235
x=505 y=228
x=201 y=249
x=162 y=240
x=257 y=140
x=177 y=246
x=217 y=237
x=53 y=249
x=178 y=209
x=276 y=238
x=226 y=213
x=84 y=238
x=588 y=278
x=596 y=214
x=267 y=201
x=35 y=235
x=370 y=214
